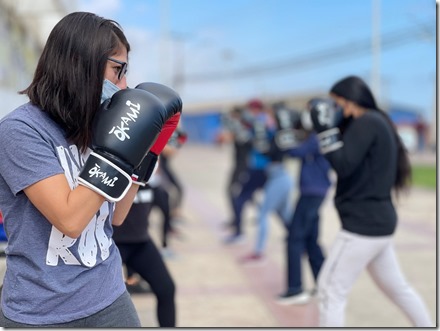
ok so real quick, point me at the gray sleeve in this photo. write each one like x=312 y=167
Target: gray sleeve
x=26 y=157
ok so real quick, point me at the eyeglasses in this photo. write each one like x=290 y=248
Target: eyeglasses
x=122 y=70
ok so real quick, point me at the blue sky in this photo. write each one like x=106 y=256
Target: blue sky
x=239 y=49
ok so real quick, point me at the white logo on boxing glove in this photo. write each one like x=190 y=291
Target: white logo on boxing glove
x=96 y=172
x=324 y=114
x=121 y=131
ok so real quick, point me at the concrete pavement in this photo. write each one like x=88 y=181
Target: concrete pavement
x=215 y=290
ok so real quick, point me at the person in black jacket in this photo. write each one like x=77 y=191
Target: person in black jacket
x=363 y=147
x=140 y=254
x=236 y=130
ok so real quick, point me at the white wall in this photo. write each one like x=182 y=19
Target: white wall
x=10 y=100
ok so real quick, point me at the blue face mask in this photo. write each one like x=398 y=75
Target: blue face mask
x=108 y=89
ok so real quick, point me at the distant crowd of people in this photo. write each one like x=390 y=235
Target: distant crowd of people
x=345 y=136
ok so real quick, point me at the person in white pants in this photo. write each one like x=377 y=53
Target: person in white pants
x=364 y=149
x=349 y=256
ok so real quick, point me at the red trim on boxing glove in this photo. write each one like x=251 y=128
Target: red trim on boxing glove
x=167 y=130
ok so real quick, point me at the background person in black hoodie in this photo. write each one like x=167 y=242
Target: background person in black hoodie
x=370 y=162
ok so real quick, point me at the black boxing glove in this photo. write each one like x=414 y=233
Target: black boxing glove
x=288 y=134
x=173 y=105
x=125 y=128
x=326 y=115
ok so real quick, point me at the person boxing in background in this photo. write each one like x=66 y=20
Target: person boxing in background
x=237 y=132
x=371 y=163
x=161 y=184
x=280 y=135
x=255 y=176
x=65 y=178
x=303 y=228
x=171 y=178
x=140 y=255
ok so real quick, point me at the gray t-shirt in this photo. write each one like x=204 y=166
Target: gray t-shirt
x=50 y=277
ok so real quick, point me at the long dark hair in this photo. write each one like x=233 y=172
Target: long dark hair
x=68 y=80
x=356 y=90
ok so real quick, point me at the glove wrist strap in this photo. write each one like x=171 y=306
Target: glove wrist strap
x=141 y=175
x=330 y=140
x=104 y=177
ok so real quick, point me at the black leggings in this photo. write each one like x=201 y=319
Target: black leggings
x=171 y=177
x=155 y=273
x=162 y=201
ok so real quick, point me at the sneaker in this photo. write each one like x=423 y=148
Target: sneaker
x=167 y=253
x=294 y=299
x=234 y=239
x=173 y=232
x=252 y=259
x=228 y=225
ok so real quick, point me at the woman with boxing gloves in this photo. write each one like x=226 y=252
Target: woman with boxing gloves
x=371 y=163
x=66 y=177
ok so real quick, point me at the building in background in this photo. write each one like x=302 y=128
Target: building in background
x=202 y=122
x=24 y=28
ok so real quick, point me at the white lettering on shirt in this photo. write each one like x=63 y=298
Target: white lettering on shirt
x=93 y=242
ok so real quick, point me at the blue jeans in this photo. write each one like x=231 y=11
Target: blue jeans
x=303 y=238
x=277 y=198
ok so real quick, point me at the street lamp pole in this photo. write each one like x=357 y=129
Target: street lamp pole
x=164 y=40
x=375 y=50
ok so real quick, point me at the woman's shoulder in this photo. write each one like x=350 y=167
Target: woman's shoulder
x=28 y=115
x=29 y=122
x=370 y=120
x=24 y=113
x=371 y=115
